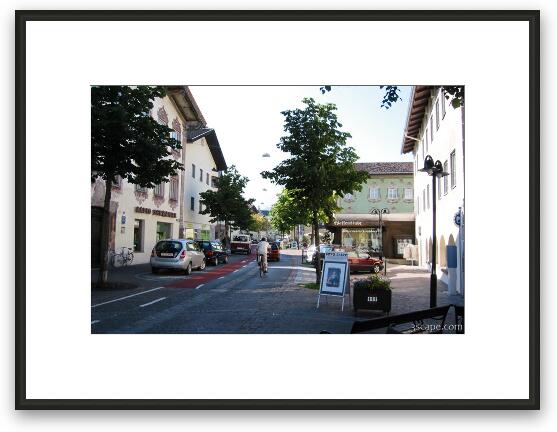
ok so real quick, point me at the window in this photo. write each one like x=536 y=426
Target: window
x=192 y=203
x=392 y=193
x=138 y=235
x=159 y=190
x=207 y=178
x=438 y=187
x=437 y=114
x=446 y=178
x=426 y=140
x=200 y=206
x=374 y=193
x=453 y=169
x=423 y=199
x=443 y=101
x=431 y=127
x=174 y=188
x=140 y=189
x=193 y=170
x=408 y=193
x=200 y=175
x=117 y=182
x=418 y=204
x=427 y=196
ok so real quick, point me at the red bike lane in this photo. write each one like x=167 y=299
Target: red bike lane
x=198 y=278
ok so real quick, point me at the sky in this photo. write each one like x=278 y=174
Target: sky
x=248 y=123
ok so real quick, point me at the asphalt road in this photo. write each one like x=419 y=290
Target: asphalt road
x=230 y=298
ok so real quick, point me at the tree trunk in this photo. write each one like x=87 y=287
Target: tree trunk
x=105 y=234
x=315 y=225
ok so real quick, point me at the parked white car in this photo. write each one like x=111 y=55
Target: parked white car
x=177 y=254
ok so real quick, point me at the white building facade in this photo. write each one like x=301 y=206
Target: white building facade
x=435 y=128
x=139 y=216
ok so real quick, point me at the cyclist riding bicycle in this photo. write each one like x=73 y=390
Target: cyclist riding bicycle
x=262 y=247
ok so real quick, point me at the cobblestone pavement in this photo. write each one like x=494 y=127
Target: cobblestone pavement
x=242 y=302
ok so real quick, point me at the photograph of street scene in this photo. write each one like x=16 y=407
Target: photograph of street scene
x=231 y=209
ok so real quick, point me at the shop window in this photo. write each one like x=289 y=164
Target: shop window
x=138 y=235
x=159 y=190
x=446 y=178
x=164 y=231
x=453 y=169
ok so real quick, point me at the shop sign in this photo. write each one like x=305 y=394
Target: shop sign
x=348 y=223
x=155 y=212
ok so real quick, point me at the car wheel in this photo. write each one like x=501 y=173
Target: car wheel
x=188 y=269
x=154 y=270
x=376 y=268
x=202 y=266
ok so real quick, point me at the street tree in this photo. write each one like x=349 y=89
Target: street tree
x=454 y=94
x=320 y=164
x=127 y=142
x=258 y=223
x=227 y=202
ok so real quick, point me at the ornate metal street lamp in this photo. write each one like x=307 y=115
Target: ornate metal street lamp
x=380 y=213
x=435 y=170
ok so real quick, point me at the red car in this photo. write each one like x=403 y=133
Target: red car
x=363 y=261
x=273 y=253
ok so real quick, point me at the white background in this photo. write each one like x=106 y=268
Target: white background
x=494 y=105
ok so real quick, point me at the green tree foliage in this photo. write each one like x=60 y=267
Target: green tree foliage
x=455 y=94
x=127 y=142
x=227 y=202
x=320 y=164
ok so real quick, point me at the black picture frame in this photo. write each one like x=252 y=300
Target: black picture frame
x=532 y=17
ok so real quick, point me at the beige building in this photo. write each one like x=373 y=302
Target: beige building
x=140 y=217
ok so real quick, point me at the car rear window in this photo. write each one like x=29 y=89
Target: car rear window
x=205 y=245
x=168 y=246
x=274 y=246
x=216 y=245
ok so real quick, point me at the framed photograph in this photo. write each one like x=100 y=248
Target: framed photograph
x=334 y=278
x=151 y=178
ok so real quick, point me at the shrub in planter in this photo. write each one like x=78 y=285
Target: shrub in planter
x=373 y=293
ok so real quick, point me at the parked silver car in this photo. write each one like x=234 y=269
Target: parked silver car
x=178 y=255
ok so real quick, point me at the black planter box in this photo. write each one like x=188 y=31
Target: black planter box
x=369 y=298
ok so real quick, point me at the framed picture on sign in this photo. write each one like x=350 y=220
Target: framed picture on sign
x=169 y=200
x=334 y=279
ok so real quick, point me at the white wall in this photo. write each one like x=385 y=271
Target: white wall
x=197 y=153
x=446 y=139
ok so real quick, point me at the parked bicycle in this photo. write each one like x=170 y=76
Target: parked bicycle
x=123 y=257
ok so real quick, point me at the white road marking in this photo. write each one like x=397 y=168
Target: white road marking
x=235 y=271
x=95 y=322
x=222 y=277
x=199 y=286
x=154 y=301
x=126 y=297
x=244 y=266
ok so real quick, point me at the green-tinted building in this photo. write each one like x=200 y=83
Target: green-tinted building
x=390 y=186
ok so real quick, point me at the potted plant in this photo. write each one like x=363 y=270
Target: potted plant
x=373 y=293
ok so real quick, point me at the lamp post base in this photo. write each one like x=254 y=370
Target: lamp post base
x=433 y=291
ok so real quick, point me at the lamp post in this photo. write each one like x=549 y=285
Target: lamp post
x=435 y=171
x=380 y=213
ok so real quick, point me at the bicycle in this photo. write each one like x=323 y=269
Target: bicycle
x=122 y=258
x=262 y=271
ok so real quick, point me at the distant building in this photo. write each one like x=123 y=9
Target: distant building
x=390 y=186
x=435 y=128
